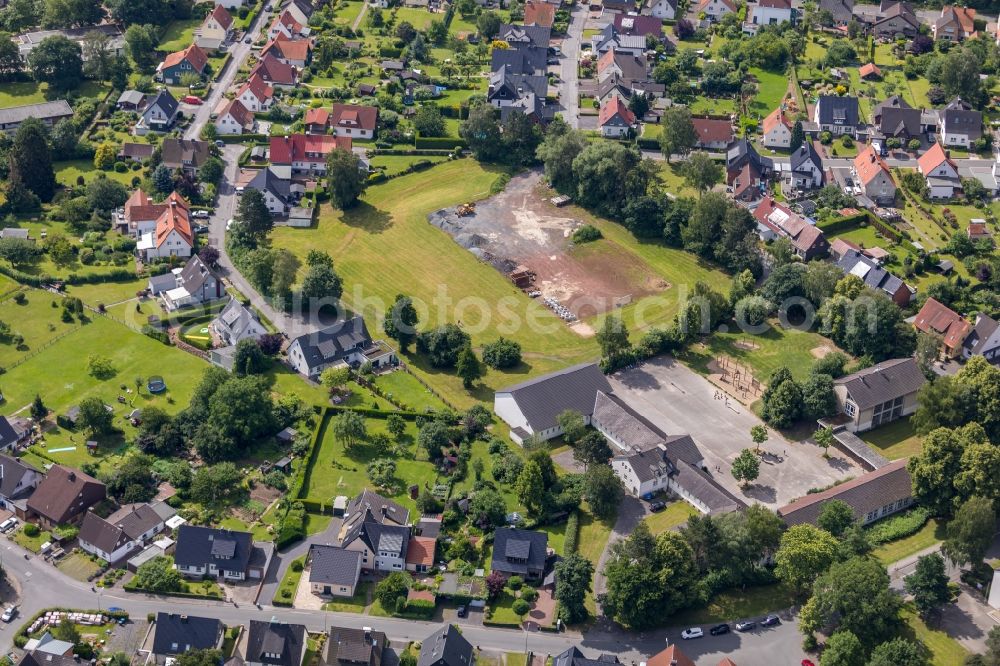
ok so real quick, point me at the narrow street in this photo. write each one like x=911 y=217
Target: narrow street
x=570 y=60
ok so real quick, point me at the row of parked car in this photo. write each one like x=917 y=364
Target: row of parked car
x=724 y=628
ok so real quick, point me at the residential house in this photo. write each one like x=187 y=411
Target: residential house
x=231 y=4
x=670 y=656
x=876 y=278
x=115 y=45
x=776 y=129
x=256 y=95
x=343 y=343
x=272 y=643
x=954 y=24
x=776 y=220
x=175 y=634
x=573 y=657
x=622 y=6
x=369 y=505
x=317 y=120
x=446 y=647
x=837 y=115
x=274 y=72
x=768 y=12
x=217 y=553
x=960 y=124
x=285 y=25
x=531 y=407
x=121 y=534
x=664 y=9
x=354 y=120
x=301 y=10
x=159 y=115
x=236 y=322
x=293 y=52
x=277 y=191
x=940 y=173
x=216 y=30
x=18 y=479
x=519 y=552
x=304 y=153
x=937 y=319
x=38 y=657
x=140 y=213
x=871 y=496
x=623 y=88
x=135 y=152
x=47 y=647
x=333 y=571
x=381 y=544
x=540 y=13
x=872 y=174
x=353 y=647
x=610 y=39
x=172 y=236
x=191 y=60
x=895 y=118
x=898 y=19
x=509 y=90
x=616 y=120
x=234 y=118
x=635 y=25
x=880 y=394
x=64 y=496
x=420 y=554
x=49 y=113
x=131 y=100
x=842 y=11
x=806 y=169
x=713 y=133
x=870 y=72
x=983 y=340
x=621 y=64
x=714 y=10
x=747 y=173
x=188 y=155
x=192 y=285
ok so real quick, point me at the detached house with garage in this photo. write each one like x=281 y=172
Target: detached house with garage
x=520 y=553
x=119 y=535
x=344 y=343
x=191 y=60
x=159 y=115
x=880 y=394
x=616 y=119
x=837 y=115
x=896 y=118
x=378 y=529
x=872 y=174
x=959 y=124
x=939 y=172
x=191 y=285
x=218 y=553
x=64 y=496
x=937 y=319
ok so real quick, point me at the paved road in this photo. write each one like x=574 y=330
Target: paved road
x=570 y=60
x=238 y=52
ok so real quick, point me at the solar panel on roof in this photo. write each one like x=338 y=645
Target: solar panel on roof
x=517 y=548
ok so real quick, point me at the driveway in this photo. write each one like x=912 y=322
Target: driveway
x=280 y=561
x=630 y=513
x=680 y=401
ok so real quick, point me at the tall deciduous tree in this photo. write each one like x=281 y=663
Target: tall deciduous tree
x=603 y=490
x=573 y=577
x=401 y=321
x=57 y=61
x=805 y=552
x=970 y=532
x=30 y=160
x=746 y=467
x=928 y=584
x=347 y=180
x=679 y=135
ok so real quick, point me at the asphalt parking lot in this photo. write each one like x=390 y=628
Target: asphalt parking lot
x=679 y=401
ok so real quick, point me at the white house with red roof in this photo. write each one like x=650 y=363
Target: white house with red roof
x=354 y=120
x=256 y=95
x=172 y=236
x=234 y=118
x=303 y=154
x=714 y=10
x=939 y=172
x=873 y=175
x=274 y=72
x=294 y=52
x=215 y=30
x=615 y=118
x=316 y=121
x=767 y=12
x=286 y=26
x=713 y=133
x=777 y=129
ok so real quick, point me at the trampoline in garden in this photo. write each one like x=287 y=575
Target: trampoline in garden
x=156 y=385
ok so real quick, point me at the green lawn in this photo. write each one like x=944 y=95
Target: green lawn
x=348 y=11
x=34 y=544
x=503 y=613
x=675 y=514
x=78 y=565
x=930 y=534
x=945 y=650
x=355 y=604
x=68 y=171
x=36 y=320
x=394 y=164
x=405 y=389
x=734 y=605
x=771 y=89
x=21 y=93
x=178 y=35
x=895 y=440
x=368 y=242
x=289 y=582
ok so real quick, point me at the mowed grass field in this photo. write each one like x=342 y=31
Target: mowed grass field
x=36 y=320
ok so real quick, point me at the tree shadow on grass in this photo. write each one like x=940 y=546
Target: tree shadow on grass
x=365 y=216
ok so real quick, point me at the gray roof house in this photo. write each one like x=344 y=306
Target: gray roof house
x=353 y=647
x=17 y=480
x=445 y=647
x=193 y=284
x=573 y=657
x=382 y=546
x=175 y=634
x=333 y=570
x=841 y=10
x=519 y=552
x=346 y=342
x=206 y=551
x=159 y=115
x=118 y=536
x=877 y=395
x=273 y=644
x=185 y=154
x=131 y=100
x=894 y=117
x=234 y=323
x=983 y=340
x=871 y=496
x=8 y=435
x=875 y=277
x=838 y=115
x=960 y=124
x=48 y=112
x=531 y=407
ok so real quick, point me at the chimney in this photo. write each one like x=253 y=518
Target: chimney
x=385 y=510
x=72 y=476
x=184 y=618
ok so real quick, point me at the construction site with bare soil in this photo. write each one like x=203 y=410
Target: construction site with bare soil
x=525 y=236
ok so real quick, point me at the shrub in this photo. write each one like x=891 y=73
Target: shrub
x=296 y=565
x=587 y=234
x=31 y=530
x=501 y=354
x=529 y=594
x=572 y=533
x=515 y=582
x=899 y=526
x=520 y=606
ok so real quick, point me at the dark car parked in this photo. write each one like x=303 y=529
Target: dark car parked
x=719 y=629
x=770 y=621
x=657 y=506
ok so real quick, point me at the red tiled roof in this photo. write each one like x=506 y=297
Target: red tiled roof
x=240 y=113
x=539 y=12
x=354 y=115
x=712 y=130
x=258 y=88
x=868 y=165
x=271 y=69
x=289 y=49
x=318 y=116
x=174 y=218
x=614 y=107
x=672 y=656
x=933 y=159
x=421 y=551
x=631 y=24
x=222 y=17
x=937 y=318
x=803 y=235
x=775 y=118
x=869 y=70
x=776 y=4
x=193 y=54
x=978 y=230
x=288 y=149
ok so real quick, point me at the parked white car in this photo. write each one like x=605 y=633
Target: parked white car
x=693 y=632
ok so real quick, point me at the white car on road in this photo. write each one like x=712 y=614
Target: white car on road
x=693 y=632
